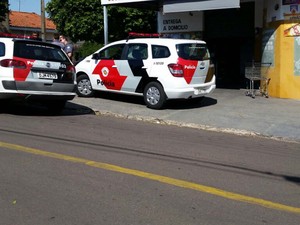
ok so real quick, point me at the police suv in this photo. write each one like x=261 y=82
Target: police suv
x=156 y=68
x=35 y=71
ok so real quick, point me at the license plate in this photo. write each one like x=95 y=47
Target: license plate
x=47 y=75
x=198 y=91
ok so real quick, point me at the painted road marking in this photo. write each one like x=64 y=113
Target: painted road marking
x=155 y=177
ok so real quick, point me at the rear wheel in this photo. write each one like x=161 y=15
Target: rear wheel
x=154 y=95
x=84 y=86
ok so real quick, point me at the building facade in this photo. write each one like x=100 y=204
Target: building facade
x=238 y=32
x=24 y=23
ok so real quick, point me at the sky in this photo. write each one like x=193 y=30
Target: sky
x=26 y=5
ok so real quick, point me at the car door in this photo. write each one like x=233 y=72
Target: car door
x=136 y=54
x=195 y=59
x=107 y=74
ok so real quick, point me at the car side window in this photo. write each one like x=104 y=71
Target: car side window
x=137 y=52
x=2 y=49
x=112 y=52
x=159 y=51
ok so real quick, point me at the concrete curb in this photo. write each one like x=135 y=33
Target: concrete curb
x=192 y=125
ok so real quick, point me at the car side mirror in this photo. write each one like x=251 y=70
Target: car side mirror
x=96 y=56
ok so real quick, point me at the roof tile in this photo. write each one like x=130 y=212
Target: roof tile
x=29 y=20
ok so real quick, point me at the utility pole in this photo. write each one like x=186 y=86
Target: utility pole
x=43 y=20
x=105 y=25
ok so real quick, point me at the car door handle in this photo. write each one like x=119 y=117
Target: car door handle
x=114 y=66
x=144 y=67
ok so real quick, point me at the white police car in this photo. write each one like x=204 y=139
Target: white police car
x=156 y=68
x=35 y=71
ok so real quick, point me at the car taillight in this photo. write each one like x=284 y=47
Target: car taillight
x=70 y=69
x=12 y=63
x=210 y=73
x=176 y=70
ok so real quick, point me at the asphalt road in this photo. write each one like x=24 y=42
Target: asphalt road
x=79 y=168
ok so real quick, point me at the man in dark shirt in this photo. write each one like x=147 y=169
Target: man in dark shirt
x=68 y=47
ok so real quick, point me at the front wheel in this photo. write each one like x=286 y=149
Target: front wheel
x=154 y=95
x=84 y=86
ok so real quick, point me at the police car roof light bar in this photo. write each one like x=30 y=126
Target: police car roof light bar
x=9 y=35
x=143 y=35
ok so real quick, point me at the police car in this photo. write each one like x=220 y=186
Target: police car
x=156 y=68
x=35 y=71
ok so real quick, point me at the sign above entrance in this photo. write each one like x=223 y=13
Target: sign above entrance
x=172 y=6
x=110 y=2
x=180 y=22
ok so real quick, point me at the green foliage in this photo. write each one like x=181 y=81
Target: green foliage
x=124 y=20
x=3 y=10
x=87 y=48
x=78 y=19
x=83 y=20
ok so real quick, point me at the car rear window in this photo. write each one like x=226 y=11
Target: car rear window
x=192 y=51
x=39 y=51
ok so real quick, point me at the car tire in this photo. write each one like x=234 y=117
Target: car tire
x=84 y=86
x=154 y=95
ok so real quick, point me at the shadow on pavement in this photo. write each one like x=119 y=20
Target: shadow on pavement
x=171 y=104
x=292 y=179
x=22 y=108
x=25 y=109
x=191 y=103
x=120 y=97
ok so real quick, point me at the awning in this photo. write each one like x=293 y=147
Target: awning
x=142 y=4
x=113 y=2
x=172 y=6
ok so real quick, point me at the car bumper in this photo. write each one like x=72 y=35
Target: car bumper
x=192 y=92
x=35 y=90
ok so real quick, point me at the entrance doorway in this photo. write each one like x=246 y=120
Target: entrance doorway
x=229 y=34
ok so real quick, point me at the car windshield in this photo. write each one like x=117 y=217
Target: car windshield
x=192 y=51
x=39 y=51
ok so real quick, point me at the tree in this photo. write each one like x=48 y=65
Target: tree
x=3 y=10
x=83 y=20
x=130 y=20
x=78 y=19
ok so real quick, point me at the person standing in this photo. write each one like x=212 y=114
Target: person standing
x=68 y=47
x=36 y=35
x=56 y=40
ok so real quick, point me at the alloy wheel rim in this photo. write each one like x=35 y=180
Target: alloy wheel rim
x=84 y=87
x=153 y=95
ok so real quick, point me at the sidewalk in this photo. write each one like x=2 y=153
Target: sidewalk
x=225 y=110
